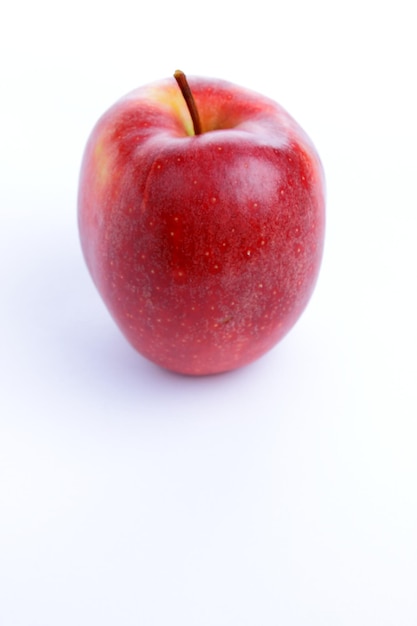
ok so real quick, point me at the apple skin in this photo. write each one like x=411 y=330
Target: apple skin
x=205 y=248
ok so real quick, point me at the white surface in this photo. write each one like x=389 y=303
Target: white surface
x=283 y=493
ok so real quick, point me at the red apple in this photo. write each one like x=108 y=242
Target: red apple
x=201 y=217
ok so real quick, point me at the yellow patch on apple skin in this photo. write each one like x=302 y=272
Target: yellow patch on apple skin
x=171 y=98
x=101 y=160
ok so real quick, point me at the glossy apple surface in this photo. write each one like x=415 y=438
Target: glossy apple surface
x=205 y=248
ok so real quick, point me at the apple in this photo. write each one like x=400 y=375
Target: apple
x=201 y=215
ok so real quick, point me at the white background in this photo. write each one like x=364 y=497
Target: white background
x=283 y=493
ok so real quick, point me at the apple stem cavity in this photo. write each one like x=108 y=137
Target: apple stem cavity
x=181 y=79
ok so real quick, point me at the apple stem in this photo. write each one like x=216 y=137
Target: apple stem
x=181 y=79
